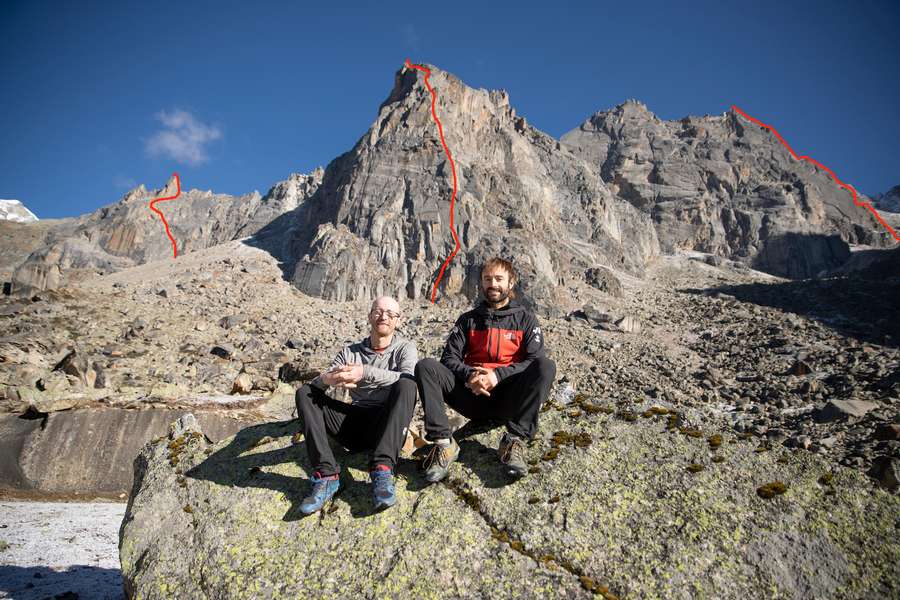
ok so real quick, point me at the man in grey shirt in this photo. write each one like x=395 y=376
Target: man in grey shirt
x=378 y=372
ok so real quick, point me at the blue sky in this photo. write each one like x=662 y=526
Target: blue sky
x=98 y=97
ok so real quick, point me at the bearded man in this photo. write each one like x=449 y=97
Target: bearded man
x=493 y=367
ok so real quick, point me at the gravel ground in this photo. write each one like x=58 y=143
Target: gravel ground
x=60 y=550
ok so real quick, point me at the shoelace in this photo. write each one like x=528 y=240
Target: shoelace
x=381 y=482
x=436 y=453
x=320 y=488
x=429 y=458
x=512 y=446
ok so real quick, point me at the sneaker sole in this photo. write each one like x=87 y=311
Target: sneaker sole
x=439 y=479
x=515 y=473
x=384 y=506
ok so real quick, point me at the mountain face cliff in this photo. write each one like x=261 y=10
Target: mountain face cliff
x=380 y=222
x=127 y=233
x=615 y=192
x=724 y=185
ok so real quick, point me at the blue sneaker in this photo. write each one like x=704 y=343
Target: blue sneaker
x=323 y=488
x=383 y=492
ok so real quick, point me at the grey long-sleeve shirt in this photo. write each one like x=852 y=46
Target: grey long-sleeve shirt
x=381 y=370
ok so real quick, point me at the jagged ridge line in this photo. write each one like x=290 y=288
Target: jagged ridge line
x=161 y=216
x=452 y=169
x=840 y=183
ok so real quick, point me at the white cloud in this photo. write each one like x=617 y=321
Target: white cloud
x=183 y=138
x=120 y=181
x=411 y=38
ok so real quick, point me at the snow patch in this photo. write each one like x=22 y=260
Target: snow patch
x=14 y=210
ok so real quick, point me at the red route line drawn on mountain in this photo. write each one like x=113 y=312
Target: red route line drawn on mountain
x=161 y=216
x=847 y=187
x=427 y=72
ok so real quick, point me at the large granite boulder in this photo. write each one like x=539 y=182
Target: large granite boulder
x=88 y=451
x=616 y=505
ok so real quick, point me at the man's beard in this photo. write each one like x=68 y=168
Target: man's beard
x=504 y=294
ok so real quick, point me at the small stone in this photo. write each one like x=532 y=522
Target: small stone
x=604 y=280
x=243 y=384
x=890 y=431
x=837 y=410
x=803 y=441
x=886 y=471
x=233 y=320
x=776 y=435
x=800 y=368
x=629 y=324
x=185 y=424
x=223 y=351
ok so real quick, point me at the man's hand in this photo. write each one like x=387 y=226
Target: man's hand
x=479 y=383
x=477 y=386
x=345 y=376
x=488 y=378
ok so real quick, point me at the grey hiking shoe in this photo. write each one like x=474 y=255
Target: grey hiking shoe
x=437 y=461
x=512 y=455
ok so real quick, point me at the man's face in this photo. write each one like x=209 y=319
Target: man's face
x=384 y=316
x=495 y=284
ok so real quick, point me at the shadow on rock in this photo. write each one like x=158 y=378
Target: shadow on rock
x=236 y=466
x=855 y=307
x=482 y=460
x=77 y=581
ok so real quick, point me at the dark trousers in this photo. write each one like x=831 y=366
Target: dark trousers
x=517 y=399
x=378 y=428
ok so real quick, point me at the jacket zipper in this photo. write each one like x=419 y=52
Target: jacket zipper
x=496 y=354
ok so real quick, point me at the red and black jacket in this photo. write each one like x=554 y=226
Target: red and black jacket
x=507 y=340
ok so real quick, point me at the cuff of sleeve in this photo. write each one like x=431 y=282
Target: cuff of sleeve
x=500 y=374
x=367 y=373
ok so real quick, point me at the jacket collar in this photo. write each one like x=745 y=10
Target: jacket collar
x=510 y=309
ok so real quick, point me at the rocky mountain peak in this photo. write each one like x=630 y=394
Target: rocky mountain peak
x=889 y=201
x=126 y=233
x=293 y=190
x=724 y=185
x=635 y=109
x=630 y=112
x=379 y=223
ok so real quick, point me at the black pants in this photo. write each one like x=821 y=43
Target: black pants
x=377 y=428
x=517 y=399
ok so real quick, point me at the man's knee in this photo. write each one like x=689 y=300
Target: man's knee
x=405 y=389
x=426 y=367
x=303 y=399
x=546 y=368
